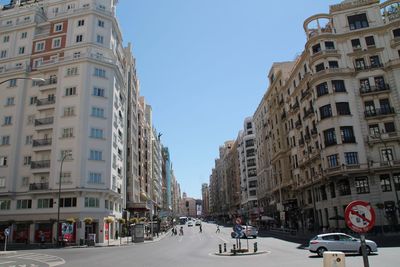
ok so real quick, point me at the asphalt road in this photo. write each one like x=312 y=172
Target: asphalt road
x=196 y=249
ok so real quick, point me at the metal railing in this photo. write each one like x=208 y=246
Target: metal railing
x=42 y=142
x=44 y=121
x=42 y=164
x=38 y=186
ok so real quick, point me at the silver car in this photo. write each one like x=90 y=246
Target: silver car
x=339 y=242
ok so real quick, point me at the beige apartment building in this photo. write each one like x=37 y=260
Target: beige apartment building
x=327 y=129
x=67 y=134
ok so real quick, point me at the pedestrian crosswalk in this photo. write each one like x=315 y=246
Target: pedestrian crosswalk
x=50 y=260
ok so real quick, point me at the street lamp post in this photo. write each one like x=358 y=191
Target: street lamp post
x=24 y=78
x=59 y=196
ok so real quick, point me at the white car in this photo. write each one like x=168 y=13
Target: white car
x=190 y=223
x=198 y=222
x=339 y=242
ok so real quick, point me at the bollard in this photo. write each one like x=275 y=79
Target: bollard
x=234 y=249
x=224 y=247
x=255 y=247
x=220 y=248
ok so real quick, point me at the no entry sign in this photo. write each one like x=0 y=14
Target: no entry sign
x=360 y=216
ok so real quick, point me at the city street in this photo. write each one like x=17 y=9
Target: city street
x=192 y=249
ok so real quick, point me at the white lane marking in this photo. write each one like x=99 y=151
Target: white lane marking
x=6 y=262
x=43 y=258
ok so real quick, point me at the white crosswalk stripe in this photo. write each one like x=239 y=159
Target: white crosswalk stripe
x=44 y=258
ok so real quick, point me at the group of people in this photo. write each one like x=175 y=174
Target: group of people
x=175 y=230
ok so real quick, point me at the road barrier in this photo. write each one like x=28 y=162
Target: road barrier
x=224 y=247
x=234 y=249
x=220 y=248
x=255 y=247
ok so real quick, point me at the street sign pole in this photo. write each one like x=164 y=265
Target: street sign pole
x=364 y=250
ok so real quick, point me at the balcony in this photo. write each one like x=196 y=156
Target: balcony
x=45 y=103
x=308 y=112
x=295 y=106
x=42 y=164
x=42 y=142
x=305 y=94
x=349 y=140
x=38 y=186
x=50 y=81
x=307 y=137
x=44 y=121
x=367 y=90
x=377 y=112
x=368 y=67
x=301 y=142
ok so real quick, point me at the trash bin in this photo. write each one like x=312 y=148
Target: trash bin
x=334 y=259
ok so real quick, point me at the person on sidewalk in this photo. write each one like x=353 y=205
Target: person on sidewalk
x=218 y=230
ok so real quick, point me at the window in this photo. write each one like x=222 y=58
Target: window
x=96 y=133
x=27 y=160
x=355 y=43
x=396 y=181
x=333 y=161
x=351 y=158
x=72 y=71
x=344 y=187
x=333 y=64
x=100 y=23
x=2 y=182
x=325 y=111
x=94 y=178
x=358 y=21
x=24 y=204
x=37 y=62
x=21 y=50
x=96 y=155
x=369 y=108
x=338 y=86
x=330 y=137
x=7 y=120
x=375 y=61
x=362 y=186
x=68 y=202
x=329 y=45
x=332 y=189
x=374 y=130
x=3 y=54
x=386 y=186
x=70 y=91
x=5 y=140
x=81 y=22
x=58 y=27
x=322 y=89
x=319 y=67
x=316 y=48
x=45 y=203
x=6 y=39
x=343 y=108
x=98 y=112
x=365 y=85
x=360 y=64
x=5 y=204
x=347 y=134
x=91 y=202
x=39 y=46
x=380 y=82
x=13 y=83
x=100 y=39
x=77 y=54
x=100 y=72
x=25 y=181
x=10 y=101
x=387 y=154
x=56 y=43
x=28 y=140
x=67 y=153
x=389 y=127
x=370 y=41
x=79 y=38
x=24 y=35
x=67 y=132
x=98 y=91
x=69 y=111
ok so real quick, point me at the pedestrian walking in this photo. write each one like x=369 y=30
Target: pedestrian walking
x=42 y=238
x=218 y=230
x=201 y=229
x=181 y=231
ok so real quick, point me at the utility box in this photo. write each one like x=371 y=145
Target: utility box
x=138 y=233
x=334 y=259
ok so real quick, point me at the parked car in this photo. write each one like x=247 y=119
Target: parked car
x=190 y=223
x=198 y=222
x=339 y=242
x=247 y=231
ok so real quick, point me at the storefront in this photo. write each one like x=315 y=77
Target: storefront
x=21 y=231
x=45 y=228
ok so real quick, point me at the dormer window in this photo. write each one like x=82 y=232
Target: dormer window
x=358 y=21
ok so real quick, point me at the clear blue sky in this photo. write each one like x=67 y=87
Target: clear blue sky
x=203 y=67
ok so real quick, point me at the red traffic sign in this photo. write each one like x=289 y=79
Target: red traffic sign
x=359 y=216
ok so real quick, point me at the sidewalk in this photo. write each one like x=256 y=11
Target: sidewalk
x=127 y=241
